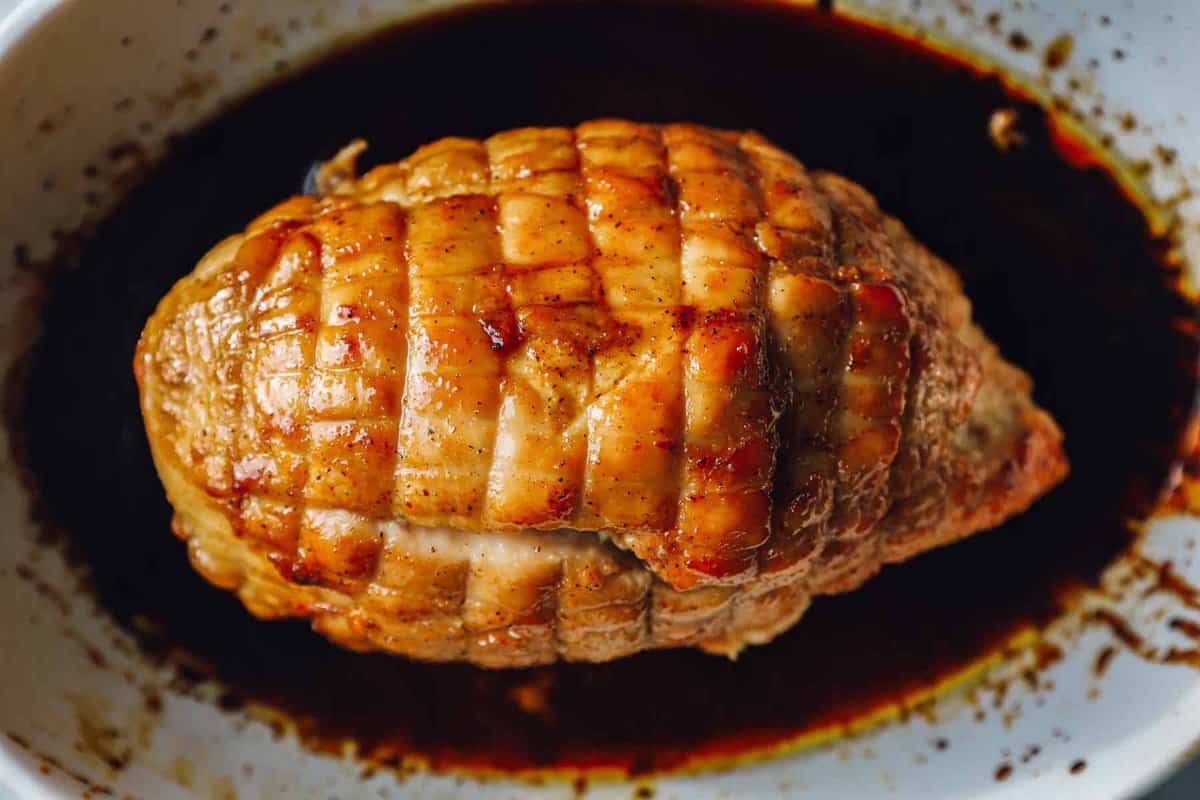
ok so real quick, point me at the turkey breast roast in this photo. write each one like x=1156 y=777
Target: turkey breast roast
x=576 y=393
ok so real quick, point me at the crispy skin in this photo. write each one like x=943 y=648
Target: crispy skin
x=406 y=410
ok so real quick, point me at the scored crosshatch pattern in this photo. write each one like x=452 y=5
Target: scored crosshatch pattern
x=541 y=440
x=635 y=419
x=873 y=394
x=213 y=334
x=354 y=391
x=404 y=395
x=874 y=389
x=724 y=513
x=562 y=327
x=452 y=395
x=809 y=323
x=272 y=444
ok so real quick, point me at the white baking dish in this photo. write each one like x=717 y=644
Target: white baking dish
x=64 y=67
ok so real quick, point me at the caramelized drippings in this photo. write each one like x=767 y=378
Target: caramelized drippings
x=1062 y=269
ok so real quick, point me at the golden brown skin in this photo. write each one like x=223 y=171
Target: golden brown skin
x=407 y=409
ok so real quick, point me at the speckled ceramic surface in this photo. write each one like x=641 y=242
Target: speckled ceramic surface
x=76 y=78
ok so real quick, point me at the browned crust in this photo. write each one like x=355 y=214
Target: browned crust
x=366 y=407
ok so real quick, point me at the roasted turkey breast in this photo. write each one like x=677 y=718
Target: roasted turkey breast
x=576 y=393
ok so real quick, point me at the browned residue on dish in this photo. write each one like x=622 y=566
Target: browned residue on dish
x=1137 y=644
x=49 y=764
x=43 y=588
x=1058 y=52
x=1019 y=41
x=97 y=736
x=1103 y=659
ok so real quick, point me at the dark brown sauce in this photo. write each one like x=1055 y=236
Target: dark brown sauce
x=1062 y=269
